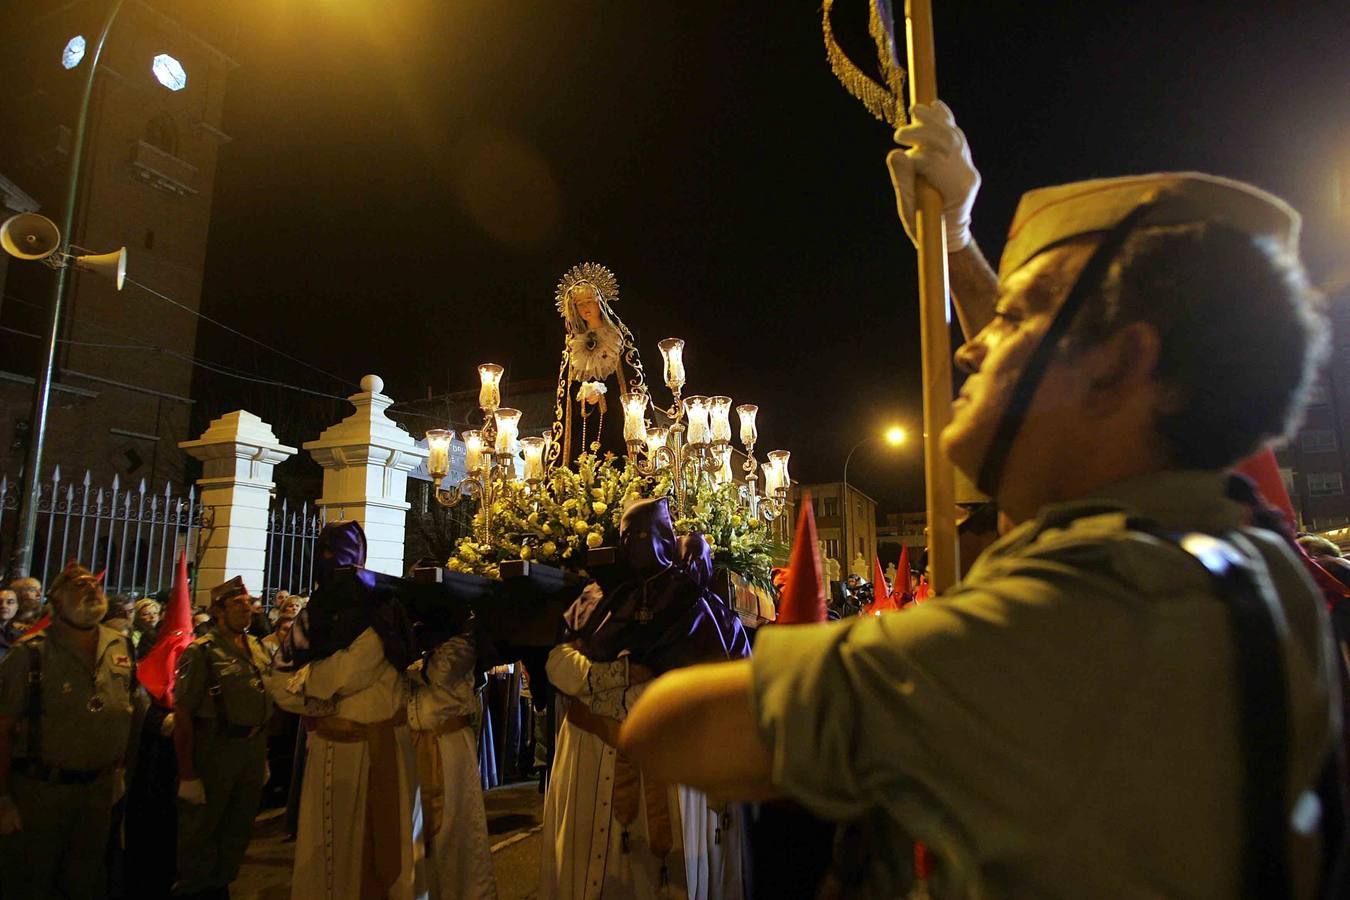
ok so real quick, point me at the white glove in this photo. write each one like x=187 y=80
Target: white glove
x=9 y=816
x=166 y=727
x=193 y=791
x=937 y=151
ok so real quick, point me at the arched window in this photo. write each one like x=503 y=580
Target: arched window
x=160 y=132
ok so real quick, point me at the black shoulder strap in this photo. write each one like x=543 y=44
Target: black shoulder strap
x=213 y=686
x=1263 y=712
x=35 y=699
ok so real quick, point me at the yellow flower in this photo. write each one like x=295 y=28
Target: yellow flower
x=594 y=539
x=580 y=527
x=525 y=552
x=546 y=528
x=599 y=508
x=708 y=537
x=548 y=548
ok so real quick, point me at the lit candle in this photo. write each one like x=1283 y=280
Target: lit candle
x=672 y=351
x=719 y=418
x=508 y=427
x=490 y=394
x=724 y=474
x=533 y=449
x=473 y=451
x=771 y=477
x=780 y=459
x=656 y=439
x=438 y=443
x=634 y=416
x=749 y=432
x=696 y=410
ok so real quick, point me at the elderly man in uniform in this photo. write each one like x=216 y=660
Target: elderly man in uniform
x=221 y=706
x=1133 y=692
x=65 y=718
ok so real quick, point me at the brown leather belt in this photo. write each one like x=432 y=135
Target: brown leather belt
x=629 y=784
x=430 y=772
x=382 y=837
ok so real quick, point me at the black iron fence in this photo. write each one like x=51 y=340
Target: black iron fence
x=291 y=535
x=133 y=535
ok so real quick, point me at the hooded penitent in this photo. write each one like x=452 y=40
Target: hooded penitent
x=348 y=600
x=658 y=613
x=695 y=557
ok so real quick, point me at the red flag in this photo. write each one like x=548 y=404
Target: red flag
x=156 y=670
x=1265 y=471
x=804 y=594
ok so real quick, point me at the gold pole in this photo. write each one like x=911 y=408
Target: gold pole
x=940 y=487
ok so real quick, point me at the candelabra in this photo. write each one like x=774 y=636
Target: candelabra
x=489 y=453
x=696 y=445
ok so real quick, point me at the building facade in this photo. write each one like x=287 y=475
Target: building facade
x=1316 y=461
x=846 y=524
x=122 y=395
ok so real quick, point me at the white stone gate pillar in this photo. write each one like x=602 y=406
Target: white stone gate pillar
x=238 y=452
x=366 y=459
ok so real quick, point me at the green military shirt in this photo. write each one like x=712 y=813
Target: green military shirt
x=86 y=714
x=1063 y=723
x=239 y=673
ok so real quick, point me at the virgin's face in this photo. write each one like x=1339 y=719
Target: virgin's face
x=587 y=305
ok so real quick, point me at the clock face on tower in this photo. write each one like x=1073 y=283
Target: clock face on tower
x=169 y=72
x=74 y=52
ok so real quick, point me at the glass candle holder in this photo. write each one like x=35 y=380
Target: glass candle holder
x=656 y=439
x=780 y=459
x=749 y=431
x=532 y=448
x=508 y=426
x=438 y=460
x=634 y=416
x=696 y=412
x=771 y=477
x=489 y=393
x=719 y=418
x=473 y=451
x=672 y=352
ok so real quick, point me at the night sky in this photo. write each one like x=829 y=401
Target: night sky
x=408 y=180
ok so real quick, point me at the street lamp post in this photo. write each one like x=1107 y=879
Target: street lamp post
x=895 y=436
x=28 y=509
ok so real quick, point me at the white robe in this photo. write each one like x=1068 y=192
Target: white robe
x=460 y=862
x=581 y=848
x=364 y=687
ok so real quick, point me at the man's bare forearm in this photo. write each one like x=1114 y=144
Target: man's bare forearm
x=696 y=726
x=974 y=287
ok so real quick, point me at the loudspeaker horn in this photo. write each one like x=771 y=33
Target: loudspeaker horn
x=109 y=265
x=29 y=236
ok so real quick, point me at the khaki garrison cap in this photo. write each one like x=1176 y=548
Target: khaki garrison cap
x=72 y=573
x=1049 y=216
x=222 y=592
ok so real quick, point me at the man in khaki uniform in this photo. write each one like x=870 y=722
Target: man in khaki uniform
x=1075 y=718
x=65 y=719
x=221 y=708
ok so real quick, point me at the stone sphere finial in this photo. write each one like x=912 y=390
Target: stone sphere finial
x=372 y=384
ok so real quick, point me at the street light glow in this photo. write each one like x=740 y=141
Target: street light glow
x=895 y=436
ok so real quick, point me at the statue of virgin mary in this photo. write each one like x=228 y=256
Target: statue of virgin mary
x=599 y=364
